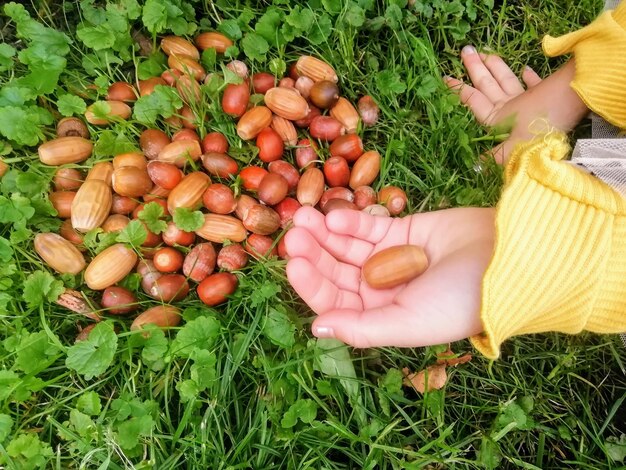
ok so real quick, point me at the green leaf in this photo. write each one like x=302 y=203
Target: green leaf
x=41 y=286
x=230 y=28
x=332 y=6
x=155 y=347
x=81 y=423
x=101 y=109
x=8 y=382
x=34 y=185
x=153 y=66
x=164 y=101
x=209 y=58
x=489 y=455
x=392 y=381
x=303 y=409
x=301 y=19
x=6 y=424
x=615 y=448
x=355 y=15
x=36 y=352
x=203 y=370
x=255 y=46
x=131 y=282
x=265 y=292
x=45 y=69
x=128 y=405
x=268 y=26
x=94 y=355
x=111 y=143
x=17 y=209
x=514 y=415
x=131 y=8
x=21 y=125
x=389 y=83
x=188 y=390
x=16 y=96
x=151 y=215
x=97 y=37
x=367 y=5
x=159 y=15
x=393 y=15
x=278 y=67
x=37 y=35
x=428 y=86
x=98 y=240
x=279 y=329
x=6 y=252
x=188 y=220
x=154 y=16
x=245 y=17
x=7 y=52
x=102 y=82
x=200 y=333
x=131 y=430
x=320 y=32
x=89 y=403
x=69 y=105
x=231 y=52
x=134 y=234
x=333 y=359
x=28 y=452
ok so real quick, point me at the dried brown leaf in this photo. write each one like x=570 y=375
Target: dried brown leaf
x=449 y=358
x=145 y=44
x=429 y=379
x=74 y=301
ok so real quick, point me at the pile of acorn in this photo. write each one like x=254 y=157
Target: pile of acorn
x=309 y=151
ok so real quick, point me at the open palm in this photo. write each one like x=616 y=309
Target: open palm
x=327 y=254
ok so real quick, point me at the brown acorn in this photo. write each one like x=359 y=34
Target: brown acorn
x=261 y=220
x=394 y=266
x=324 y=94
x=310 y=187
x=254 y=121
x=286 y=103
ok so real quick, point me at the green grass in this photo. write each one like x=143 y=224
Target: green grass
x=551 y=401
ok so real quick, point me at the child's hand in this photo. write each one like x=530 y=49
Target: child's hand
x=497 y=95
x=441 y=305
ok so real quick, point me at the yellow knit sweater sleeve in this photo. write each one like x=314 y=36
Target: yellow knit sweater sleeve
x=559 y=263
x=600 y=56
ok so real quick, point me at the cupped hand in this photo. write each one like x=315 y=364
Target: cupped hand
x=327 y=254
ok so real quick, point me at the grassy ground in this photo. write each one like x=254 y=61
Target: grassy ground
x=240 y=398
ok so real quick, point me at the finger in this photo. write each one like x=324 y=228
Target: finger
x=481 y=77
x=479 y=104
x=530 y=77
x=390 y=325
x=505 y=77
x=301 y=244
x=500 y=153
x=345 y=248
x=358 y=224
x=316 y=290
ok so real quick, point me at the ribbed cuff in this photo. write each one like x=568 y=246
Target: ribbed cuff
x=560 y=245
x=599 y=49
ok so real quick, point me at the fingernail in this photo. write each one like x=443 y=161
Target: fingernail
x=528 y=68
x=447 y=78
x=323 y=332
x=468 y=50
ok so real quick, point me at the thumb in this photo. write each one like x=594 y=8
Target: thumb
x=530 y=77
x=389 y=325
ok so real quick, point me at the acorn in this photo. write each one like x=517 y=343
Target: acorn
x=324 y=94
